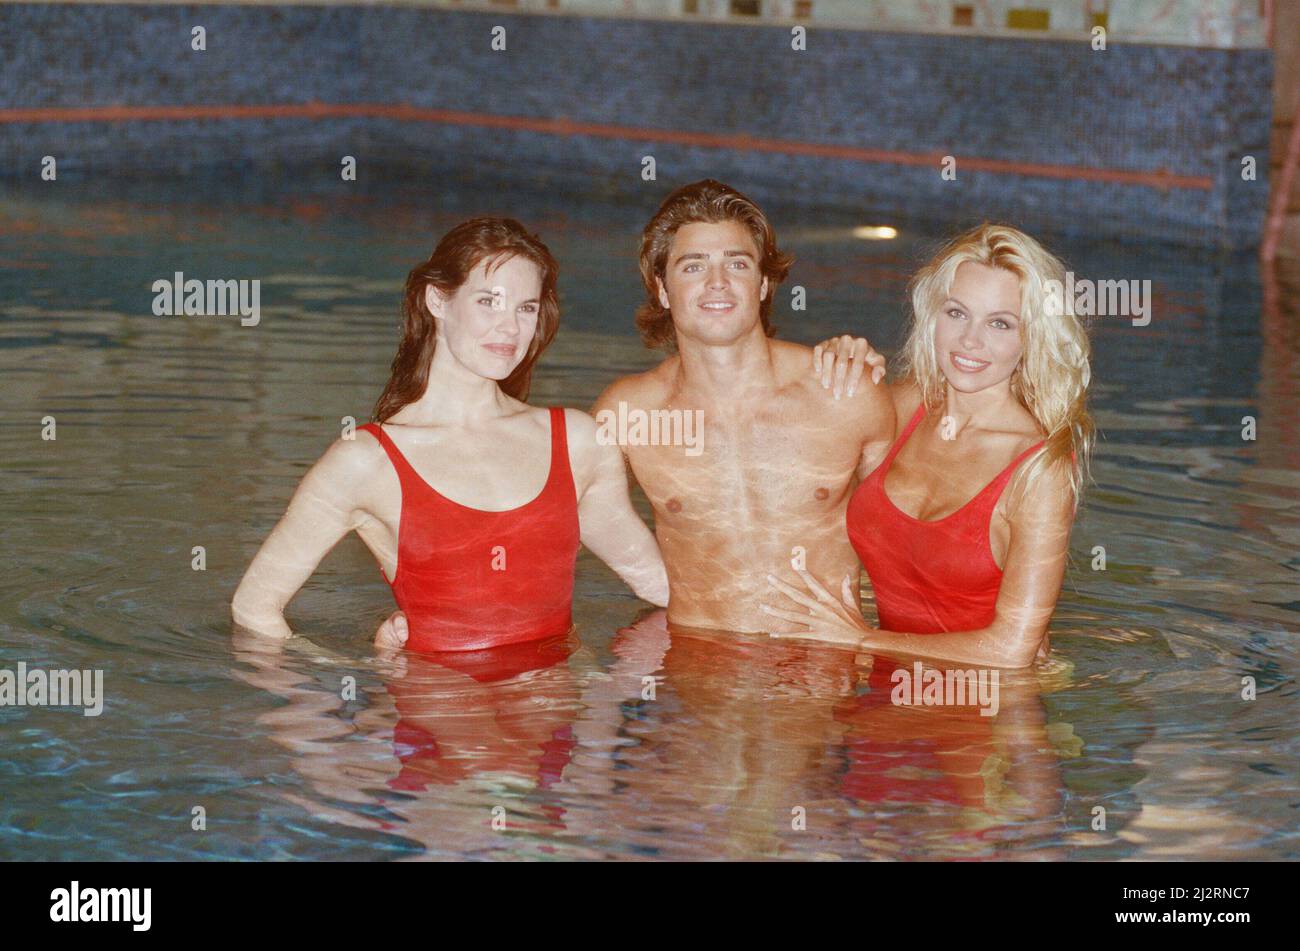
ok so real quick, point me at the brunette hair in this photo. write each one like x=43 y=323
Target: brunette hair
x=462 y=249
x=703 y=201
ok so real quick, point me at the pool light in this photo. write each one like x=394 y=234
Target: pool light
x=875 y=232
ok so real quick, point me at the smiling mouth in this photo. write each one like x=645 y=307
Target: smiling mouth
x=506 y=350
x=717 y=306
x=967 y=364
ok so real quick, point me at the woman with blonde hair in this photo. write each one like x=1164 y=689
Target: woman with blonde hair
x=964 y=527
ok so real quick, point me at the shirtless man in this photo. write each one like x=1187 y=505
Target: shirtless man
x=780 y=452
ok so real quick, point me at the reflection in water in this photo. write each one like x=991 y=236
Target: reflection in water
x=690 y=745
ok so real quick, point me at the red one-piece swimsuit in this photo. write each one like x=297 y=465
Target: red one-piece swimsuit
x=469 y=579
x=932 y=576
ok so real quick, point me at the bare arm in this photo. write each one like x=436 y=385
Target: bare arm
x=842 y=363
x=323 y=509
x=879 y=423
x=611 y=528
x=1031 y=584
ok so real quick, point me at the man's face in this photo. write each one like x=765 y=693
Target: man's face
x=712 y=283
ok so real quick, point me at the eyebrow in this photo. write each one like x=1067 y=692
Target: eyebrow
x=994 y=314
x=488 y=291
x=700 y=255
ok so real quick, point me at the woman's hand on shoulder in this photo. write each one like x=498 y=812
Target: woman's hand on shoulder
x=842 y=362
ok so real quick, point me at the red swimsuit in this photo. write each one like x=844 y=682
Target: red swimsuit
x=469 y=579
x=928 y=576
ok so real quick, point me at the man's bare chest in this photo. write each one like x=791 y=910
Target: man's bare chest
x=761 y=466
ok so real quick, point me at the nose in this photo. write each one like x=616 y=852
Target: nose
x=972 y=337
x=718 y=278
x=509 y=323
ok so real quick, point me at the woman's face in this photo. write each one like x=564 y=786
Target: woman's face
x=489 y=322
x=977 y=335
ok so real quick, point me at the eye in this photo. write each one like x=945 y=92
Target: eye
x=529 y=308
x=486 y=301
x=691 y=267
x=741 y=265
x=955 y=313
x=1000 y=324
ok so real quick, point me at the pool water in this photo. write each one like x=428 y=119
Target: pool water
x=1133 y=741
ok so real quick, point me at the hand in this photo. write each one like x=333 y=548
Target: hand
x=843 y=360
x=393 y=632
x=826 y=618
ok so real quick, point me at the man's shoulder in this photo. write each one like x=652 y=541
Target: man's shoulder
x=791 y=356
x=868 y=413
x=795 y=365
x=639 y=389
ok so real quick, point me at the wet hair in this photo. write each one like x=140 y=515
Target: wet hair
x=703 y=201
x=1051 y=380
x=490 y=241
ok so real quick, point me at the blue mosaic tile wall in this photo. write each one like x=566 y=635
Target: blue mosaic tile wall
x=1134 y=108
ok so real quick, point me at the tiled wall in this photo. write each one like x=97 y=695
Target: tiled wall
x=1133 y=108
x=1217 y=23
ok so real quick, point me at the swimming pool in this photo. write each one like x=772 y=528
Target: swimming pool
x=177 y=432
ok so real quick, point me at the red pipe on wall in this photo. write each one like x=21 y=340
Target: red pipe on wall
x=1162 y=178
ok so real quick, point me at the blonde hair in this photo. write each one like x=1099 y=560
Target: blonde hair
x=1051 y=380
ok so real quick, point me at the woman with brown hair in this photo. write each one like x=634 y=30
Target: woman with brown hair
x=487 y=557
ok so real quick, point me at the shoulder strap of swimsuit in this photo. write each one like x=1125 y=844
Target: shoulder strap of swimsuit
x=902 y=438
x=404 y=468
x=993 y=491
x=559 y=446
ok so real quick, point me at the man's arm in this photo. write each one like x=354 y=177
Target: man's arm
x=842 y=364
x=879 y=423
